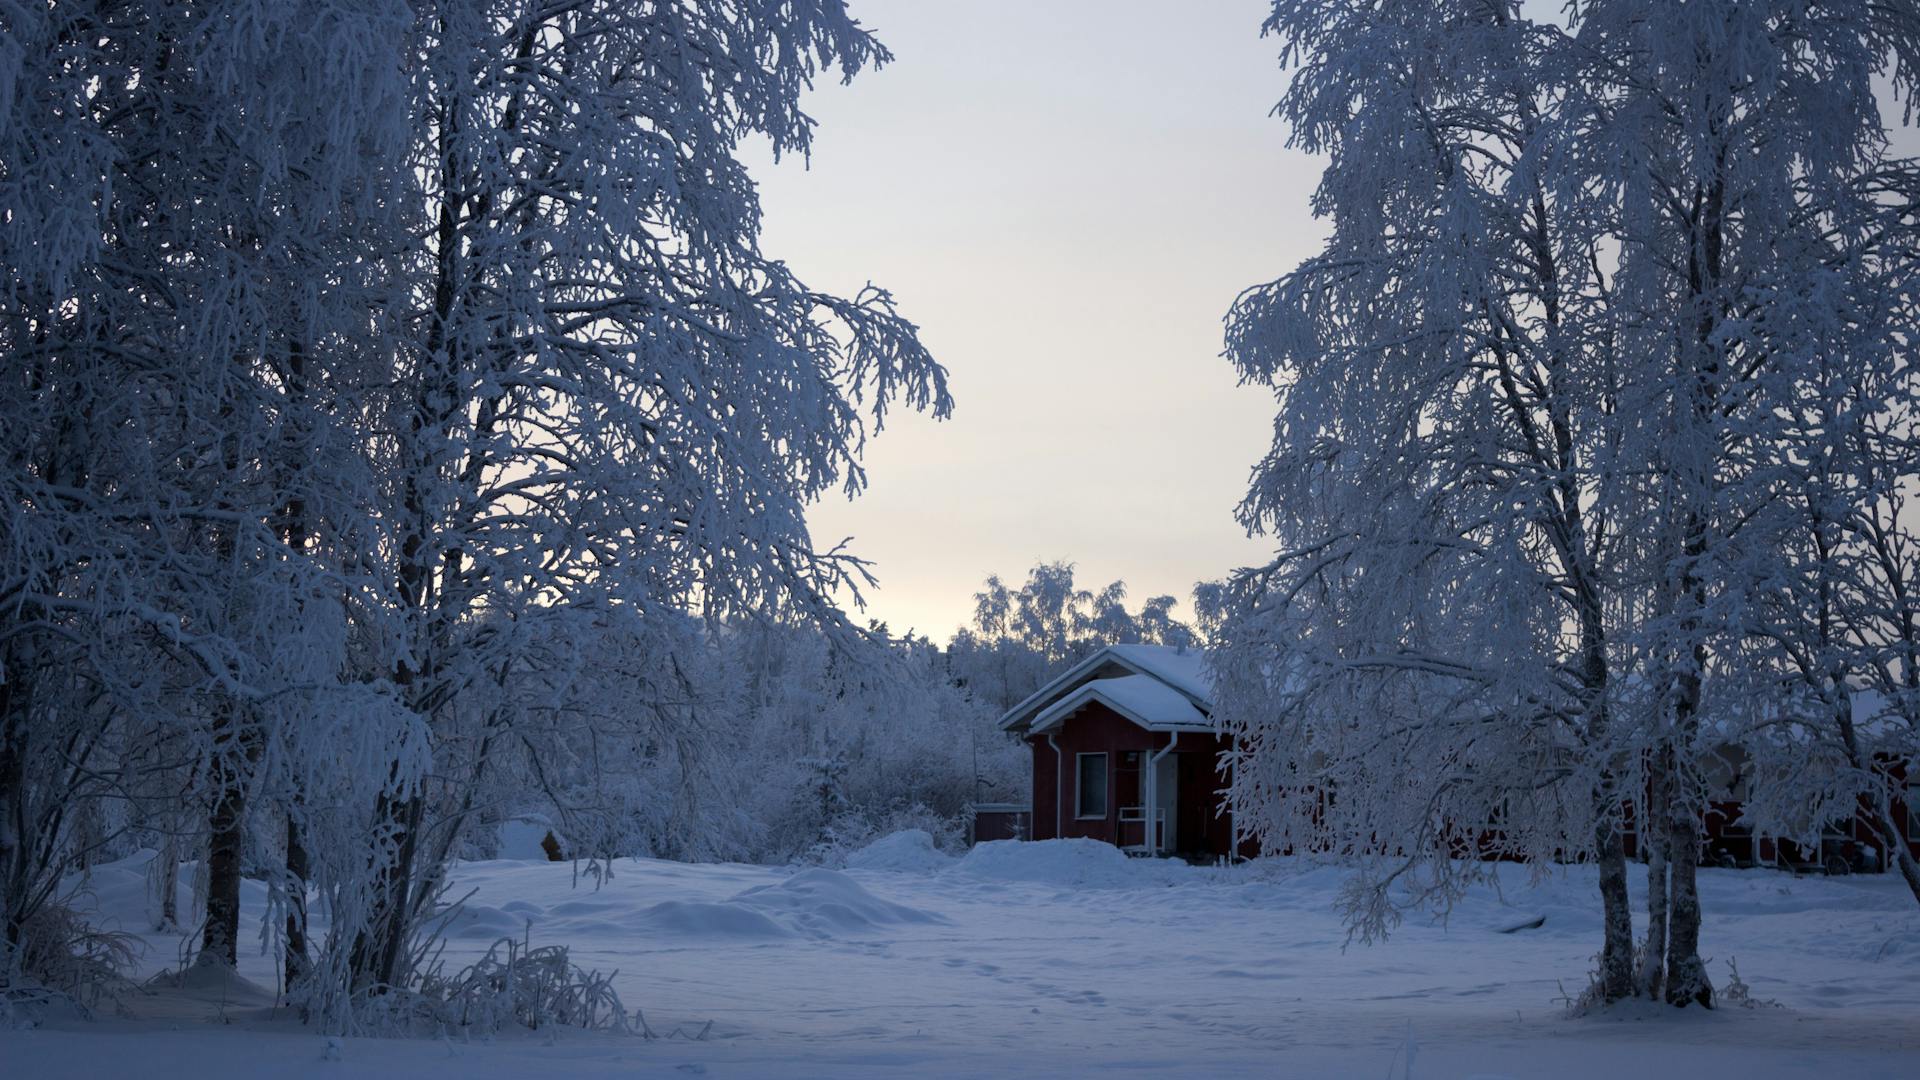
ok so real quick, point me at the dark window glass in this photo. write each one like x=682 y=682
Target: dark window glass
x=1093 y=786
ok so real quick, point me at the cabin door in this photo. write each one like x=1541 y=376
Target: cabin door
x=1166 y=799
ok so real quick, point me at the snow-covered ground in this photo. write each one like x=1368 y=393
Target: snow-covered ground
x=1066 y=959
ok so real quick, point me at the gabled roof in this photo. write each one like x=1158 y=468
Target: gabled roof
x=1158 y=687
x=1142 y=699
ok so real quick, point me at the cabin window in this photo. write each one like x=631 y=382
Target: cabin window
x=1092 y=788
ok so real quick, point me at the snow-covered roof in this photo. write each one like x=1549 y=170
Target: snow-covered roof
x=1142 y=699
x=1156 y=686
x=1183 y=669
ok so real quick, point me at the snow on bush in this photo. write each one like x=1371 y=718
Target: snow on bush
x=909 y=850
x=62 y=962
x=519 y=984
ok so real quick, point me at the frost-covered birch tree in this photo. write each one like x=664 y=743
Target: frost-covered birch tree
x=1426 y=669
x=1531 y=405
x=192 y=244
x=606 y=395
x=376 y=366
x=1746 y=152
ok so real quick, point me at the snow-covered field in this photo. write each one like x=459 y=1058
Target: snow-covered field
x=1066 y=959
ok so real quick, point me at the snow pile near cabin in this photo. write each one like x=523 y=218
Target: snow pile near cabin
x=826 y=903
x=909 y=851
x=1071 y=863
x=811 y=904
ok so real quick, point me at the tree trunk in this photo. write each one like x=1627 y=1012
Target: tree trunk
x=1687 y=982
x=1609 y=846
x=1616 y=951
x=1653 y=957
x=1881 y=820
x=167 y=878
x=374 y=962
x=1909 y=867
x=226 y=836
x=295 y=530
x=1879 y=811
x=295 y=962
x=13 y=814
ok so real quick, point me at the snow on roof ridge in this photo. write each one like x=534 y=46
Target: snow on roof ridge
x=1181 y=668
x=1144 y=699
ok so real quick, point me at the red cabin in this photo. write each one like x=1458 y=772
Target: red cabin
x=1124 y=750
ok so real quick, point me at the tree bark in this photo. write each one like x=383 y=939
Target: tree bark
x=1609 y=846
x=1616 y=951
x=226 y=838
x=13 y=815
x=1687 y=982
x=1654 y=956
x=295 y=960
x=167 y=881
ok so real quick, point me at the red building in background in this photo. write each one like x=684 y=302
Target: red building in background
x=1125 y=751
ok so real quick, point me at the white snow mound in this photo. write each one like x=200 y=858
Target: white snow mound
x=1075 y=862
x=810 y=904
x=910 y=850
x=826 y=903
x=685 y=918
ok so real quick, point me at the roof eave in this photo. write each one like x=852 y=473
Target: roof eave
x=1019 y=718
x=1058 y=712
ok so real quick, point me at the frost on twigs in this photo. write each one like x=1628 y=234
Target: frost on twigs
x=517 y=984
x=62 y=964
x=1590 y=997
x=1737 y=993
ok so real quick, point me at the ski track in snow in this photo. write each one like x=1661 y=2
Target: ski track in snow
x=1059 y=960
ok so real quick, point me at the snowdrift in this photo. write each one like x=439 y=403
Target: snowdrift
x=810 y=904
x=908 y=851
x=1076 y=862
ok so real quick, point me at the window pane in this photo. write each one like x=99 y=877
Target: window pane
x=1093 y=786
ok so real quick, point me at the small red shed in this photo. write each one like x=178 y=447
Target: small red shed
x=1125 y=751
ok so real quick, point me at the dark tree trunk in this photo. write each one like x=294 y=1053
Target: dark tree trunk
x=1616 y=952
x=296 y=530
x=168 y=884
x=226 y=839
x=1653 y=958
x=378 y=948
x=295 y=962
x=1879 y=809
x=1687 y=982
x=13 y=814
x=1609 y=847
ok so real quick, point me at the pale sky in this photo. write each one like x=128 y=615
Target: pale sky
x=1066 y=196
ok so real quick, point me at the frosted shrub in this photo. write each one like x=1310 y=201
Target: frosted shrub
x=518 y=984
x=850 y=832
x=61 y=960
x=1737 y=993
